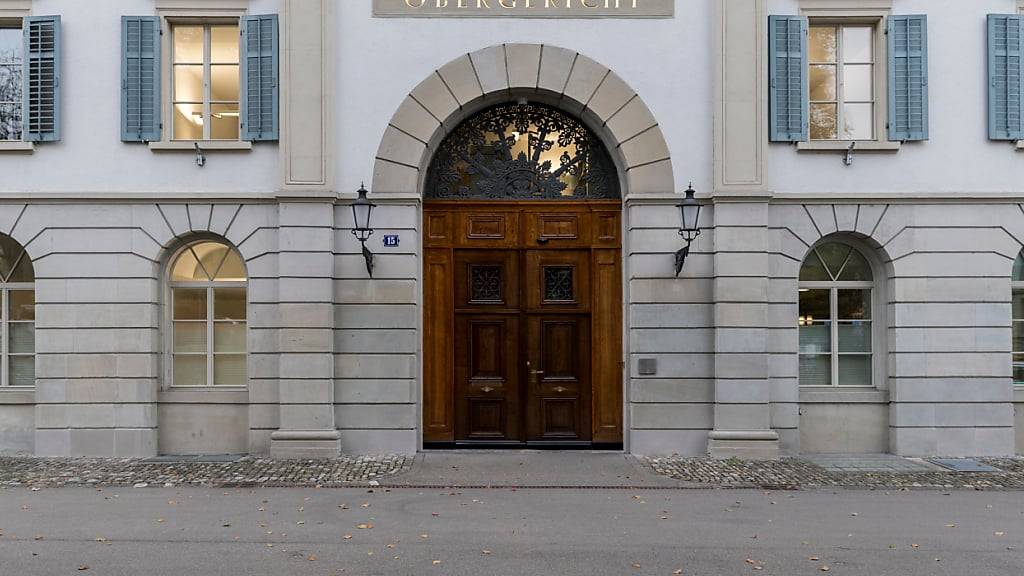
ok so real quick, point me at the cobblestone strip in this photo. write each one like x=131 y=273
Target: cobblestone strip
x=793 y=473
x=57 y=472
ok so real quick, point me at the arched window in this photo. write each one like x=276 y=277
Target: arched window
x=835 y=320
x=18 y=311
x=1018 y=321
x=208 y=315
x=522 y=151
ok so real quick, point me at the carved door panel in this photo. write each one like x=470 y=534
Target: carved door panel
x=558 y=388
x=487 y=336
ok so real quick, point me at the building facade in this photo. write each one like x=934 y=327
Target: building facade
x=183 y=270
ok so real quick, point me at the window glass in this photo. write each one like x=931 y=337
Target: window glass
x=209 y=316
x=206 y=82
x=813 y=270
x=1018 y=268
x=835 y=318
x=842 y=86
x=11 y=82
x=17 y=315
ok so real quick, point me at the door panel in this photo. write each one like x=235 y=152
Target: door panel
x=558 y=356
x=557 y=280
x=486 y=279
x=487 y=377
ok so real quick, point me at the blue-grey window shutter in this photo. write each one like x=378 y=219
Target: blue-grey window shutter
x=908 y=78
x=259 y=72
x=1005 y=84
x=140 y=79
x=787 y=63
x=42 y=78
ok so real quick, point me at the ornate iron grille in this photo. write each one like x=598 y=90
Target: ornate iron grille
x=486 y=283
x=522 y=152
x=558 y=284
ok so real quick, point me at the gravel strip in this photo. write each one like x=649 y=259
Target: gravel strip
x=58 y=472
x=794 y=473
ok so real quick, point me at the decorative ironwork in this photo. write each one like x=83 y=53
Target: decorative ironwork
x=558 y=284
x=485 y=283
x=522 y=152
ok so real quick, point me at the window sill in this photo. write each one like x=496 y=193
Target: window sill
x=841 y=146
x=10 y=396
x=205 y=145
x=836 y=395
x=205 y=395
x=17 y=147
x=1020 y=145
x=1018 y=394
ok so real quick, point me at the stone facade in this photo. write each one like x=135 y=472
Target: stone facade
x=334 y=361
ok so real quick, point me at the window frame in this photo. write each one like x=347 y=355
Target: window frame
x=877 y=288
x=840 y=64
x=5 y=354
x=1016 y=287
x=210 y=321
x=171 y=14
x=873 y=13
x=17 y=24
x=208 y=66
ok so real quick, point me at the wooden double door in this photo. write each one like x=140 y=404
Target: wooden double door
x=522 y=323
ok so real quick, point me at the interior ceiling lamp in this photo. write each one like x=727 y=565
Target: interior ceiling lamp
x=689 y=212
x=362 y=209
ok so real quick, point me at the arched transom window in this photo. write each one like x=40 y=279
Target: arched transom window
x=1018 y=321
x=18 y=311
x=835 y=323
x=522 y=152
x=208 y=316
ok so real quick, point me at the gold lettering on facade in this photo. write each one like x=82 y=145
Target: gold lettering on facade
x=524 y=8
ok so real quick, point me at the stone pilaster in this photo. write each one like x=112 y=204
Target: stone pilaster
x=742 y=386
x=306 y=332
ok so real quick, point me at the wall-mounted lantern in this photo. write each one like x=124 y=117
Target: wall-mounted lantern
x=689 y=212
x=362 y=209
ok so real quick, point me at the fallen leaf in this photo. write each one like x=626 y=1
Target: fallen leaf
x=915 y=545
x=1000 y=533
x=436 y=562
x=487 y=552
x=347 y=536
x=311 y=558
x=82 y=568
x=424 y=535
x=825 y=568
x=950 y=525
x=813 y=558
x=680 y=571
x=365 y=526
x=39 y=537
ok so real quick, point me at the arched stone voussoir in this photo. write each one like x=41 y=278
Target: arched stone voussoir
x=523 y=62
x=581 y=85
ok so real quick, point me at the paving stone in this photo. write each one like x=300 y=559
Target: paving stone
x=800 y=473
x=244 y=471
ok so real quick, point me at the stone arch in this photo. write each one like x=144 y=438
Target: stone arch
x=553 y=75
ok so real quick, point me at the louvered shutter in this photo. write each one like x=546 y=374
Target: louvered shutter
x=259 y=113
x=140 y=79
x=787 y=53
x=42 y=78
x=908 y=78
x=1005 y=85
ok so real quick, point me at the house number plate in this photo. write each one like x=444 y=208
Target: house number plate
x=391 y=240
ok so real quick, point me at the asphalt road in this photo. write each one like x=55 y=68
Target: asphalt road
x=199 y=532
